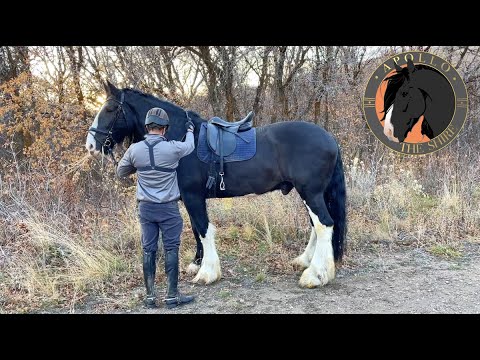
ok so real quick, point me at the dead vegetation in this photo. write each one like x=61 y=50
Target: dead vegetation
x=68 y=228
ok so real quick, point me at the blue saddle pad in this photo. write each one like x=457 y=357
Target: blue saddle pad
x=245 y=150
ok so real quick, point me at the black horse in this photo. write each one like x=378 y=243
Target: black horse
x=288 y=155
x=414 y=91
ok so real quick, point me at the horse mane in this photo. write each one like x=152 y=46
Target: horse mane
x=166 y=104
x=395 y=81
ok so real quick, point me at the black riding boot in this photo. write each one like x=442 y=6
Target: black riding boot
x=173 y=298
x=149 y=276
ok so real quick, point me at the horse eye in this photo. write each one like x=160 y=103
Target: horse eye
x=404 y=93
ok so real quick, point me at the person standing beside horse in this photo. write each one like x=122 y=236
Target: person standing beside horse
x=155 y=160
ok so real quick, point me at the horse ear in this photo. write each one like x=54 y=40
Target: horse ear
x=397 y=67
x=106 y=88
x=110 y=89
x=410 y=65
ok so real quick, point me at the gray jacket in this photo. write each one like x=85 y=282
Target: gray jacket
x=153 y=185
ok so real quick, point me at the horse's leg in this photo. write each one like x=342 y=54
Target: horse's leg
x=303 y=261
x=210 y=268
x=194 y=266
x=322 y=267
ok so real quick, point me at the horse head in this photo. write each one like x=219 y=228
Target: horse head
x=404 y=102
x=112 y=123
x=123 y=115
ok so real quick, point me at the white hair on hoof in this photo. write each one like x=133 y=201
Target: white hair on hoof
x=303 y=261
x=192 y=269
x=322 y=266
x=210 y=269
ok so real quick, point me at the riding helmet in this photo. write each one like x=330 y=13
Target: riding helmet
x=157 y=116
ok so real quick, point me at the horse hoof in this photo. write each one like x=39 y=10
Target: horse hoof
x=204 y=280
x=301 y=262
x=311 y=278
x=207 y=274
x=192 y=269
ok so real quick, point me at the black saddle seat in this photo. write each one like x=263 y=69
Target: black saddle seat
x=242 y=125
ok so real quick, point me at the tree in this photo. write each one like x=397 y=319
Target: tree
x=287 y=62
x=14 y=60
x=75 y=56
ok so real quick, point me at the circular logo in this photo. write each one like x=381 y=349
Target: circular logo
x=415 y=103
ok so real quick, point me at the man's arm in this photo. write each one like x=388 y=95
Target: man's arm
x=125 y=166
x=186 y=147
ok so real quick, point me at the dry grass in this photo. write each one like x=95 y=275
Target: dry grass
x=399 y=209
x=64 y=244
x=256 y=238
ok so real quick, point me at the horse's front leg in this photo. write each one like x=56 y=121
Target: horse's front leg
x=210 y=264
x=194 y=266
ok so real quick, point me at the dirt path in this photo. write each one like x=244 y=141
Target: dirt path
x=384 y=281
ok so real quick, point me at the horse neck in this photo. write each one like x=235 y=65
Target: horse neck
x=138 y=110
x=440 y=106
x=432 y=83
x=141 y=106
x=138 y=129
x=197 y=120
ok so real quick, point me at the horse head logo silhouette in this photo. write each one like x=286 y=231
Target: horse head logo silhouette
x=415 y=103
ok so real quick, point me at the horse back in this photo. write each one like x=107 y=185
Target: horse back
x=299 y=136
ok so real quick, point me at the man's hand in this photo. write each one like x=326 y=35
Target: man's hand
x=189 y=125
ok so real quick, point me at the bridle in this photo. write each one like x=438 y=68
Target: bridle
x=109 y=141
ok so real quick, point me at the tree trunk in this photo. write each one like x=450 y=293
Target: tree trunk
x=14 y=60
x=76 y=62
x=168 y=56
x=260 y=93
x=278 y=89
x=326 y=124
x=204 y=52
x=316 y=110
x=228 y=56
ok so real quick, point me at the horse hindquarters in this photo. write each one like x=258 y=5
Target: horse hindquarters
x=336 y=198
x=326 y=207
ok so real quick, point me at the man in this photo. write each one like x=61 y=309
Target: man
x=155 y=160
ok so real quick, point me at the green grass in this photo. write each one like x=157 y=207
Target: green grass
x=445 y=251
x=456 y=267
x=423 y=204
x=225 y=294
x=261 y=276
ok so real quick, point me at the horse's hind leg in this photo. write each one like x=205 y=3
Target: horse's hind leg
x=322 y=266
x=303 y=261
x=210 y=267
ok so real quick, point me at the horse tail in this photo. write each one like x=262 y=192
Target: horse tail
x=335 y=199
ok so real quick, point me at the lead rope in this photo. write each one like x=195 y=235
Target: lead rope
x=189 y=118
x=115 y=162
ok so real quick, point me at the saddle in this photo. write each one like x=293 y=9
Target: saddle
x=221 y=134
x=222 y=139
